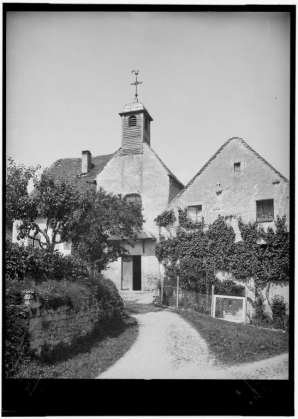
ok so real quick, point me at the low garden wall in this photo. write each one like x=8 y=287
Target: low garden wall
x=49 y=327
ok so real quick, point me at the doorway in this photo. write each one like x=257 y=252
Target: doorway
x=131 y=273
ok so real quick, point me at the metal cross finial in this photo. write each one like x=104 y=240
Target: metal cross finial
x=136 y=83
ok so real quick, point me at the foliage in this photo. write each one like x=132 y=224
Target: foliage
x=56 y=202
x=278 y=306
x=186 y=222
x=201 y=251
x=26 y=262
x=228 y=287
x=105 y=290
x=17 y=179
x=16 y=345
x=165 y=219
x=260 y=316
x=101 y=217
x=52 y=294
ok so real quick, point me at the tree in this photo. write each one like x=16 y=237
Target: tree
x=55 y=202
x=87 y=220
x=104 y=219
x=17 y=179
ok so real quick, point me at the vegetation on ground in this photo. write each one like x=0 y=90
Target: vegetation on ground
x=88 y=356
x=235 y=343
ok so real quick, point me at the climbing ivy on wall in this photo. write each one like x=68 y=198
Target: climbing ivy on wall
x=201 y=251
x=165 y=219
x=186 y=222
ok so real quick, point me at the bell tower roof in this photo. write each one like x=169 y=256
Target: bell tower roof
x=135 y=124
x=133 y=108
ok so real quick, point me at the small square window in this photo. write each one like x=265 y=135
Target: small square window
x=237 y=167
x=195 y=212
x=265 y=210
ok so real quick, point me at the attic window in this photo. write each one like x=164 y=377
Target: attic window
x=265 y=210
x=133 y=198
x=132 y=121
x=195 y=212
x=237 y=167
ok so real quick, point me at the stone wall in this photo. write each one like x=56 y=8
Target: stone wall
x=49 y=327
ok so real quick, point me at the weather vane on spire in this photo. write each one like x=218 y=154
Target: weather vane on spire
x=136 y=83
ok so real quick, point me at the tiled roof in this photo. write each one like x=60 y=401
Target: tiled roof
x=217 y=153
x=70 y=170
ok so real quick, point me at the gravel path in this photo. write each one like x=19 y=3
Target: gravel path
x=169 y=348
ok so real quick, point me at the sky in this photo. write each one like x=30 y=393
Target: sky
x=206 y=77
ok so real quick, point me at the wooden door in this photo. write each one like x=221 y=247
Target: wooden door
x=127 y=272
x=137 y=273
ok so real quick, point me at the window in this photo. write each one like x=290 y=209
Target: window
x=132 y=121
x=34 y=242
x=195 y=212
x=146 y=124
x=237 y=167
x=265 y=210
x=133 y=198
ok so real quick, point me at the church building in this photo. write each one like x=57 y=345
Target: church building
x=138 y=174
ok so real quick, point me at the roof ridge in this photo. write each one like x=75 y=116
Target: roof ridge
x=167 y=169
x=216 y=154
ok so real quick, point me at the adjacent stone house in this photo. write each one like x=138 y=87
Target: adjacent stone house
x=236 y=181
x=138 y=174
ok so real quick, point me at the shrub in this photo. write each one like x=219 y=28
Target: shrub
x=26 y=262
x=16 y=347
x=278 y=307
x=260 y=316
x=104 y=290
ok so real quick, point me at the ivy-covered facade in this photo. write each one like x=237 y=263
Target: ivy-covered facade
x=232 y=221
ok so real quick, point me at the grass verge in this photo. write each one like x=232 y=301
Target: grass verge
x=235 y=343
x=88 y=356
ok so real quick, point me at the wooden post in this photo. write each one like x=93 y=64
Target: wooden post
x=245 y=305
x=161 y=290
x=177 y=291
x=212 y=300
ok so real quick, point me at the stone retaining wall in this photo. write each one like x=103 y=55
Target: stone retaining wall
x=48 y=327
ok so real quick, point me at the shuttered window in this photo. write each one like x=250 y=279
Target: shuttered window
x=33 y=242
x=132 y=121
x=265 y=210
x=195 y=212
x=133 y=198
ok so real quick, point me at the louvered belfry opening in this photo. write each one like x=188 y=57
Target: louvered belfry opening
x=135 y=128
x=132 y=121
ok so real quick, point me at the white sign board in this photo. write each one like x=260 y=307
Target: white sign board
x=229 y=308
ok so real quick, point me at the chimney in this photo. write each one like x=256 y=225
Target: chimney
x=86 y=162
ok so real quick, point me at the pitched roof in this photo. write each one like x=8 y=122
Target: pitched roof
x=217 y=153
x=69 y=170
x=168 y=170
x=142 y=235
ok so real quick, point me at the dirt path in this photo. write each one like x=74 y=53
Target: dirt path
x=169 y=348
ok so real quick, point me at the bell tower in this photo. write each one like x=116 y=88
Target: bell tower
x=136 y=122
